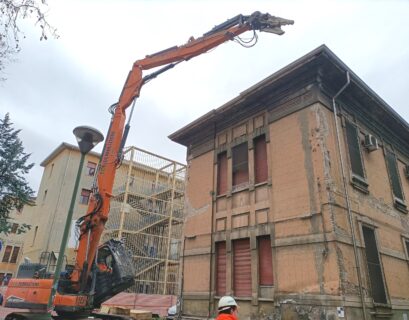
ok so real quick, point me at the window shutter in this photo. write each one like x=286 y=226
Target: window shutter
x=374 y=266
x=242 y=268
x=14 y=256
x=260 y=159
x=7 y=253
x=393 y=174
x=354 y=150
x=221 y=268
x=222 y=173
x=265 y=263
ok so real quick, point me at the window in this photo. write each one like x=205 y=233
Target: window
x=394 y=179
x=85 y=194
x=35 y=235
x=222 y=173
x=221 y=268
x=240 y=164
x=357 y=167
x=14 y=228
x=14 y=255
x=265 y=262
x=91 y=167
x=260 y=160
x=241 y=268
x=5 y=278
x=7 y=253
x=374 y=266
x=407 y=247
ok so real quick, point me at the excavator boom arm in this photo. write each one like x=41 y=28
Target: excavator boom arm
x=98 y=210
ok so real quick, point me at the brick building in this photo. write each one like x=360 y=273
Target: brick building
x=295 y=212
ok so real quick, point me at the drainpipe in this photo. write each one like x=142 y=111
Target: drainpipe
x=345 y=184
x=212 y=253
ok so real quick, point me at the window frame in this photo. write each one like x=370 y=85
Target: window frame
x=217 y=279
x=15 y=254
x=392 y=167
x=363 y=225
x=358 y=181
x=82 y=197
x=241 y=166
x=7 y=254
x=238 y=267
x=269 y=261
x=263 y=158
x=91 y=170
x=222 y=174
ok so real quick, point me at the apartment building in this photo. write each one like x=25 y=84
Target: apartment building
x=296 y=211
x=12 y=244
x=53 y=201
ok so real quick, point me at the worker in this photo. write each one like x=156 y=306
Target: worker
x=227 y=308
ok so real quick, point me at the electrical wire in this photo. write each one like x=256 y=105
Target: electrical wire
x=247 y=43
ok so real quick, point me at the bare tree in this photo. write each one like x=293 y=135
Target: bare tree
x=11 y=14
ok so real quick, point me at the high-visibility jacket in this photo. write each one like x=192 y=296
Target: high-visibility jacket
x=225 y=316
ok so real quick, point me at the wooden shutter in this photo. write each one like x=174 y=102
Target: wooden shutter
x=222 y=173
x=7 y=253
x=240 y=164
x=260 y=159
x=354 y=151
x=14 y=256
x=265 y=263
x=221 y=268
x=242 y=268
x=394 y=174
x=374 y=266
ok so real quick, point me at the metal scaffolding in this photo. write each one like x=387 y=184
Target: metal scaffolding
x=147 y=214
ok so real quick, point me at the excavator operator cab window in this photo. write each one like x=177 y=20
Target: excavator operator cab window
x=105 y=259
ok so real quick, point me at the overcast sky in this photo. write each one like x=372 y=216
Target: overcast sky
x=59 y=84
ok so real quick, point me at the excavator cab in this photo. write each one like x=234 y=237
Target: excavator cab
x=112 y=273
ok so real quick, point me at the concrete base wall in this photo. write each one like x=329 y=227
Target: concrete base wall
x=290 y=309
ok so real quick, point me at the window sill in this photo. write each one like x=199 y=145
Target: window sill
x=400 y=205
x=240 y=187
x=260 y=184
x=360 y=184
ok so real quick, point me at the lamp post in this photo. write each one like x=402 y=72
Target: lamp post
x=87 y=138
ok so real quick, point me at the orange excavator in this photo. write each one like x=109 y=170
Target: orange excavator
x=101 y=271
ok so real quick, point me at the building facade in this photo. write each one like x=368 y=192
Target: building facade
x=12 y=244
x=53 y=201
x=296 y=211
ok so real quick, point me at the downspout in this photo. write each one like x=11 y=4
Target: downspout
x=350 y=218
x=212 y=245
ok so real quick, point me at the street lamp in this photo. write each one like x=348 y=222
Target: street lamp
x=87 y=138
